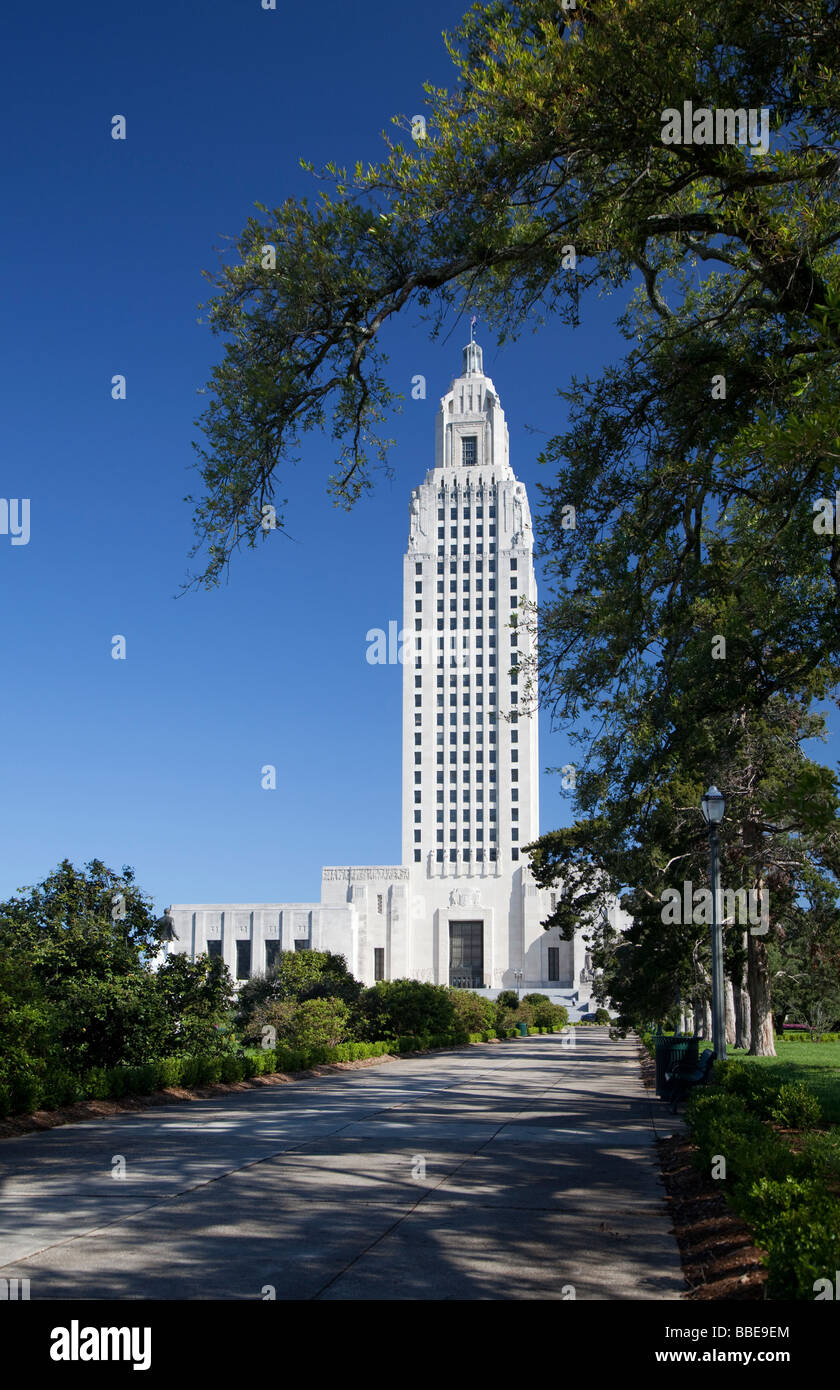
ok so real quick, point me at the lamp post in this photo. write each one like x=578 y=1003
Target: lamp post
x=712 y=806
x=517 y=975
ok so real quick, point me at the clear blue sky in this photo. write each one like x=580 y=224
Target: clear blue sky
x=155 y=761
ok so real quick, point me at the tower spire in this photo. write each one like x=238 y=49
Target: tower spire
x=473 y=356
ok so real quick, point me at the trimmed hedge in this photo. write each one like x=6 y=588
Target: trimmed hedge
x=112 y=1083
x=796 y=1037
x=783 y=1195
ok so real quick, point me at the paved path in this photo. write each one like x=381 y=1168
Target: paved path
x=502 y=1171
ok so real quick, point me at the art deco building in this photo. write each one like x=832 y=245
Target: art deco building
x=462 y=908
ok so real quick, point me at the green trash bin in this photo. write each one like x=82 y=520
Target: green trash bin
x=670 y=1051
x=523 y=1029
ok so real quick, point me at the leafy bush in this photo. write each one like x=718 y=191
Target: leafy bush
x=721 y=1125
x=796 y=1106
x=473 y=1013
x=535 y=999
x=20 y=1093
x=602 y=1016
x=550 y=1015
x=298 y=976
x=798 y=1224
x=320 y=1023
x=508 y=999
x=398 y=1008
x=748 y=1083
x=819 y=1156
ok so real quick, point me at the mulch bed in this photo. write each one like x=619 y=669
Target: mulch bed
x=171 y=1095
x=719 y=1259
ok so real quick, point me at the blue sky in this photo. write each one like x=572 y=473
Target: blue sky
x=155 y=761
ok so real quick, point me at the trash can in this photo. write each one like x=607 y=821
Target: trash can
x=670 y=1051
x=523 y=1029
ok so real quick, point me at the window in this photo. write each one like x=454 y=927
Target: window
x=214 y=949
x=417 y=856
x=302 y=943
x=418 y=568
x=554 y=963
x=379 y=962
x=469 y=450
x=379 y=896
x=243 y=960
x=272 y=954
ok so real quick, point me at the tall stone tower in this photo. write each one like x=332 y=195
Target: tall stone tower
x=462 y=908
x=470 y=762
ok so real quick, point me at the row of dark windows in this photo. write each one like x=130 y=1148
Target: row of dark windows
x=243 y=953
x=465 y=533
x=272 y=948
x=466 y=512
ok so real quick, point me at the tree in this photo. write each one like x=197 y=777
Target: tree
x=89 y=967
x=780 y=830
x=544 y=172
x=806 y=962
x=695 y=467
x=195 y=1000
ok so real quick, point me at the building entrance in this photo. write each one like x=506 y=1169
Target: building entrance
x=466 y=955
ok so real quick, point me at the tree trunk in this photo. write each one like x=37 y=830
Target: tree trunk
x=729 y=1001
x=707 y=1020
x=761 y=1041
x=699 y=1017
x=742 y=1004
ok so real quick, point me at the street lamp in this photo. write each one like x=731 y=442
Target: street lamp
x=712 y=806
x=517 y=975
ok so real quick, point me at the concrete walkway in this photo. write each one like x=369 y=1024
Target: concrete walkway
x=501 y=1171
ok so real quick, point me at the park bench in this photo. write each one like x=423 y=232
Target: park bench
x=685 y=1076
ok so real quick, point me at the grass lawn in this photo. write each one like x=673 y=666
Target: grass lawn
x=818 y=1064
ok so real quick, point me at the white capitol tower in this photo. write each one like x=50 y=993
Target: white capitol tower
x=462 y=908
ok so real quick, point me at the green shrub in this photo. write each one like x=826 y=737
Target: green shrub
x=406 y=1008
x=508 y=999
x=552 y=1016
x=24 y=1091
x=722 y=1125
x=602 y=1016
x=819 y=1156
x=94 y=1084
x=320 y=1023
x=749 y=1083
x=232 y=1069
x=796 y=1106
x=798 y=1224
x=59 y=1087
x=170 y=1071
x=473 y=1013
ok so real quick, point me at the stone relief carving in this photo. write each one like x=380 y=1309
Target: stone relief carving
x=465 y=897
